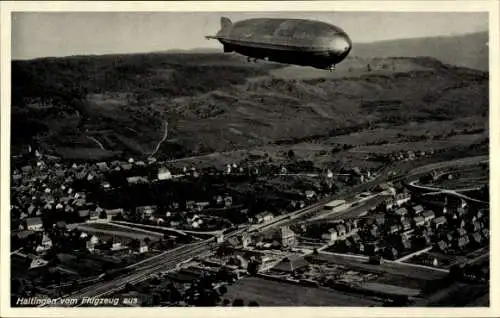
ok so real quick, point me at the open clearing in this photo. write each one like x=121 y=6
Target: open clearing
x=273 y=293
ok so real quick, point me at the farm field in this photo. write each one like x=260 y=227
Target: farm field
x=273 y=293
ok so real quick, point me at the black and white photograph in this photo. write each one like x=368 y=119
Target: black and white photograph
x=228 y=158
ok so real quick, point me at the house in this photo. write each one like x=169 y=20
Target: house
x=463 y=241
x=443 y=246
x=137 y=179
x=402 y=198
x=341 y=230
x=481 y=213
x=486 y=233
x=291 y=264
x=201 y=205
x=461 y=232
x=360 y=247
x=430 y=261
x=428 y=216
x=439 y=221
x=380 y=219
x=246 y=240
x=146 y=211
x=46 y=242
x=477 y=238
x=37 y=263
x=475 y=226
x=406 y=224
x=264 y=217
x=401 y=212
x=164 y=174
x=405 y=243
x=105 y=185
x=103 y=167
x=116 y=246
x=143 y=247
x=417 y=209
x=330 y=236
x=461 y=211
x=93 y=215
x=111 y=213
x=286 y=236
x=419 y=220
x=228 y=201
x=34 y=224
x=393 y=229
x=310 y=194
x=91 y=243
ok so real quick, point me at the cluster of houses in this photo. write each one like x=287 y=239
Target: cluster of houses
x=400 y=155
x=400 y=227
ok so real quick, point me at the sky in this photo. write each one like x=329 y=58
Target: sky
x=44 y=34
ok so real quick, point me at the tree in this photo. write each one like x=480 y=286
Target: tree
x=225 y=302
x=253 y=303
x=368 y=67
x=222 y=290
x=291 y=154
x=238 y=302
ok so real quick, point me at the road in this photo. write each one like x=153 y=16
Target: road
x=434 y=190
x=170 y=259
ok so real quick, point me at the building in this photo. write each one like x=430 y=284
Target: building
x=264 y=217
x=402 y=198
x=34 y=224
x=401 y=212
x=341 y=230
x=418 y=209
x=111 y=213
x=291 y=264
x=406 y=224
x=330 y=236
x=419 y=220
x=164 y=174
x=336 y=205
x=246 y=240
x=146 y=211
x=439 y=221
x=428 y=216
x=143 y=247
x=287 y=236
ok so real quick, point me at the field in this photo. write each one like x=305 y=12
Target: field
x=112 y=230
x=464 y=178
x=273 y=293
x=396 y=273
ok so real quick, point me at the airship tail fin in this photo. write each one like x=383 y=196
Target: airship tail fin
x=225 y=22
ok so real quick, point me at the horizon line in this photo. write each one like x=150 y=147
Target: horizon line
x=193 y=50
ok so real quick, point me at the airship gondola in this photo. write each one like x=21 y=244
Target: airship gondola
x=291 y=41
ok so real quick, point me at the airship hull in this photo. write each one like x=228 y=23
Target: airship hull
x=293 y=41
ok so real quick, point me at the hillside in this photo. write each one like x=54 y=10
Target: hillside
x=97 y=106
x=468 y=50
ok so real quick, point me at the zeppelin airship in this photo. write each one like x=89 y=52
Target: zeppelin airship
x=291 y=41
